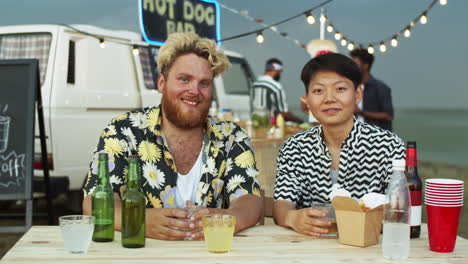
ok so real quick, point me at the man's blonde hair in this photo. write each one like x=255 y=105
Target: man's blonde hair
x=178 y=44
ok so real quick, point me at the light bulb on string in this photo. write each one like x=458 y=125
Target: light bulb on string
x=330 y=28
x=102 y=44
x=337 y=35
x=310 y=18
x=394 y=42
x=135 y=51
x=370 y=49
x=343 y=42
x=407 y=32
x=323 y=19
x=382 y=47
x=260 y=37
x=350 y=46
x=443 y=2
x=423 y=19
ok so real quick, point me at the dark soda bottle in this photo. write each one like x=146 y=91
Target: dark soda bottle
x=415 y=187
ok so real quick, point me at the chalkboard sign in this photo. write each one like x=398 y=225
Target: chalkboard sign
x=19 y=82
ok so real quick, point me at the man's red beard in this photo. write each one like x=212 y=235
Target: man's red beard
x=188 y=119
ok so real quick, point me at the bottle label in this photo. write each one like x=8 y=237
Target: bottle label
x=411 y=159
x=415 y=215
x=416 y=198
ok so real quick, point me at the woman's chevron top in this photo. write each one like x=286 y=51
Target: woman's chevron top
x=365 y=164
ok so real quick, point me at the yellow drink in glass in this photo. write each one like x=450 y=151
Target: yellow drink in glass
x=219 y=231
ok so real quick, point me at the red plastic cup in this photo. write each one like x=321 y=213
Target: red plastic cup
x=440 y=181
x=445 y=195
x=444 y=189
x=442 y=224
x=442 y=192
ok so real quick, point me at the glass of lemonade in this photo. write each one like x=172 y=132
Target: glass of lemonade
x=219 y=231
x=77 y=231
x=330 y=211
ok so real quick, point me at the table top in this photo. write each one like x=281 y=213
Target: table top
x=259 y=244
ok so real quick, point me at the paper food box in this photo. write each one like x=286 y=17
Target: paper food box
x=357 y=226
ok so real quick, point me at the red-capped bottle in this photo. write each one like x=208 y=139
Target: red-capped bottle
x=415 y=187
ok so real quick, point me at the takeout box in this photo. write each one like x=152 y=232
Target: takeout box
x=357 y=227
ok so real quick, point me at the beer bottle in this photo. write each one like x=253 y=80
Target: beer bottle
x=415 y=187
x=133 y=208
x=103 y=203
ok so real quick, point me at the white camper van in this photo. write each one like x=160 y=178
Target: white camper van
x=85 y=84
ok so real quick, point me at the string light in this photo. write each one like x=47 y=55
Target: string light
x=423 y=19
x=382 y=47
x=337 y=35
x=407 y=32
x=370 y=49
x=394 y=42
x=323 y=19
x=135 y=51
x=310 y=18
x=343 y=42
x=260 y=37
x=102 y=44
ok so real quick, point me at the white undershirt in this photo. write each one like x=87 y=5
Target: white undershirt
x=187 y=184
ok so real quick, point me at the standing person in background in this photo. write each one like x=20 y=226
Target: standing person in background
x=187 y=158
x=377 y=107
x=269 y=93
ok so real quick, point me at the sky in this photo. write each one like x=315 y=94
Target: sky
x=427 y=70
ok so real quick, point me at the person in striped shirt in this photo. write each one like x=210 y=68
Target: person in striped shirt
x=269 y=94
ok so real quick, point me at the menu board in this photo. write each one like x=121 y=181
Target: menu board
x=18 y=88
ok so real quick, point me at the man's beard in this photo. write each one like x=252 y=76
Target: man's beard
x=186 y=120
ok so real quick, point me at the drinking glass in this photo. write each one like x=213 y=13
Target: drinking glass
x=330 y=211
x=77 y=231
x=219 y=231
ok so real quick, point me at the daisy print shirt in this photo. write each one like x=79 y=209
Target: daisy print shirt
x=228 y=163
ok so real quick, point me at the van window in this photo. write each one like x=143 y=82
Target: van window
x=236 y=78
x=148 y=65
x=71 y=62
x=27 y=46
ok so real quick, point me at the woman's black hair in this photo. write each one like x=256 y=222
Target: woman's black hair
x=333 y=62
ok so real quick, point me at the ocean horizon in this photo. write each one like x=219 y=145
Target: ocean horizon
x=441 y=135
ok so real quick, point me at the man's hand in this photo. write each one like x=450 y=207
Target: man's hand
x=305 y=221
x=168 y=224
x=196 y=218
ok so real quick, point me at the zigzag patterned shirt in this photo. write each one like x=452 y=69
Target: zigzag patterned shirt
x=366 y=156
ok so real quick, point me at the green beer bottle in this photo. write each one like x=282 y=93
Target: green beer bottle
x=133 y=208
x=103 y=203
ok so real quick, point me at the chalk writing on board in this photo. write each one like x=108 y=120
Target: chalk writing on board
x=12 y=170
x=4 y=130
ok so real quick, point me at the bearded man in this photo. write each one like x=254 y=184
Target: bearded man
x=187 y=157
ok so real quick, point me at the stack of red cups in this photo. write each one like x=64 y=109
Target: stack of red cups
x=444 y=200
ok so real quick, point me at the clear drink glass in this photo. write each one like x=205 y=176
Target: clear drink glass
x=219 y=231
x=330 y=211
x=77 y=231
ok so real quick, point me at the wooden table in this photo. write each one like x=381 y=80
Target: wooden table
x=260 y=244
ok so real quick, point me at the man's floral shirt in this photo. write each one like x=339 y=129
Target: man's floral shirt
x=228 y=169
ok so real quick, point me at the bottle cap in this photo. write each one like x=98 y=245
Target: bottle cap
x=411 y=144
